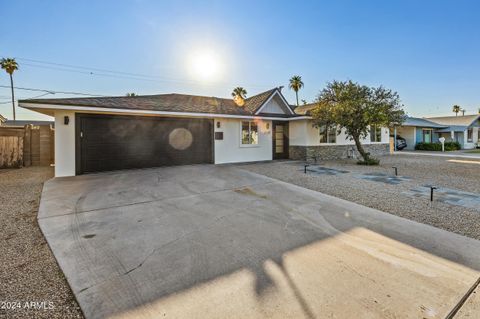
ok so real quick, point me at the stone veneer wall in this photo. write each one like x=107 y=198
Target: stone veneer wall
x=332 y=152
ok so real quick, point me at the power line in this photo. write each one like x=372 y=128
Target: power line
x=52 y=91
x=119 y=74
x=88 y=68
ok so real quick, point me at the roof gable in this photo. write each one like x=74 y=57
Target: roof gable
x=275 y=103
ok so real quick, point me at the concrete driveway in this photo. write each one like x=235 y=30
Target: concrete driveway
x=220 y=242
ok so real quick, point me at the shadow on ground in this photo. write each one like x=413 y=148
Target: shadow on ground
x=209 y=241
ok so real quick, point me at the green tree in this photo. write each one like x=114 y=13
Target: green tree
x=130 y=94
x=456 y=109
x=296 y=84
x=10 y=66
x=239 y=92
x=355 y=108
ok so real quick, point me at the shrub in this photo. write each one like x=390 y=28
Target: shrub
x=428 y=146
x=452 y=146
x=369 y=161
x=449 y=146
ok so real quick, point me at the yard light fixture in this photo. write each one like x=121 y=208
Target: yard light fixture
x=305 y=168
x=396 y=171
x=431 y=192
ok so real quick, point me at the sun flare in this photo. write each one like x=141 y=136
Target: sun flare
x=205 y=65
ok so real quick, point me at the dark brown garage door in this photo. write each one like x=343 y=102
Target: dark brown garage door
x=106 y=143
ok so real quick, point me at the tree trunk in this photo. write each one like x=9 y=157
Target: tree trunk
x=296 y=93
x=360 y=148
x=13 y=97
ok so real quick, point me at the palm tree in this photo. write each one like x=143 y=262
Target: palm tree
x=296 y=84
x=239 y=92
x=456 y=109
x=10 y=65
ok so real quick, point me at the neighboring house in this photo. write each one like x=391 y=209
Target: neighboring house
x=462 y=129
x=22 y=123
x=415 y=130
x=109 y=133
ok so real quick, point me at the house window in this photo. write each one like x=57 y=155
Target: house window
x=470 y=135
x=375 y=133
x=249 y=133
x=328 y=135
x=427 y=136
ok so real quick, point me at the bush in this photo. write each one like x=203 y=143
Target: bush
x=449 y=146
x=369 y=161
x=428 y=146
x=452 y=146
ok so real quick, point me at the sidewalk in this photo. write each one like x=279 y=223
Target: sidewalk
x=461 y=154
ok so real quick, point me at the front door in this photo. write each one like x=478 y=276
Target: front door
x=427 y=136
x=280 y=140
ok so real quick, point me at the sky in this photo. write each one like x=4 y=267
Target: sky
x=427 y=51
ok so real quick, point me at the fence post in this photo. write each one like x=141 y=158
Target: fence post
x=27 y=146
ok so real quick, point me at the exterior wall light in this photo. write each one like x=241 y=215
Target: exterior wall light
x=218 y=124
x=66 y=120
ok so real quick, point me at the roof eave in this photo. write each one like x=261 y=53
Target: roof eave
x=51 y=108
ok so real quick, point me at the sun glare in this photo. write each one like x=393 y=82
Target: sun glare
x=204 y=65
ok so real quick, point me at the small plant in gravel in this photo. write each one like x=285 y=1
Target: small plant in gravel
x=356 y=108
x=369 y=162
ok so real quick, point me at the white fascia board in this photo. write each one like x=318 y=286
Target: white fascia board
x=86 y=109
x=271 y=97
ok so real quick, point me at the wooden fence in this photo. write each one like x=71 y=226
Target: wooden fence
x=26 y=146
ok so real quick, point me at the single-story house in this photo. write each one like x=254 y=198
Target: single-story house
x=415 y=130
x=462 y=129
x=110 y=133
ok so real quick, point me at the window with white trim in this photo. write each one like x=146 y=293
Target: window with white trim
x=470 y=135
x=328 y=134
x=375 y=133
x=249 y=133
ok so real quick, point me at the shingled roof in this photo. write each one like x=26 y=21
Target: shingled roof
x=461 y=120
x=305 y=109
x=166 y=103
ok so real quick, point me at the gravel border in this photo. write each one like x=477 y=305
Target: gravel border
x=421 y=170
x=30 y=272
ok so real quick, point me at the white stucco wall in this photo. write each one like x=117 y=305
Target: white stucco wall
x=303 y=133
x=230 y=150
x=471 y=144
x=64 y=144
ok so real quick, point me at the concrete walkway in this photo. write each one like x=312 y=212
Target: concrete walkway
x=460 y=154
x=220 y=242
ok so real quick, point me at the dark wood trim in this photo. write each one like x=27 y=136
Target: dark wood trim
x=286 y=141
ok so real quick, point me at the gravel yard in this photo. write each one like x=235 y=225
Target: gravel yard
x=29 y=272
x=457 y=174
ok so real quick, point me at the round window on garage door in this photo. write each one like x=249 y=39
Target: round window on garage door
x=180 y=139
